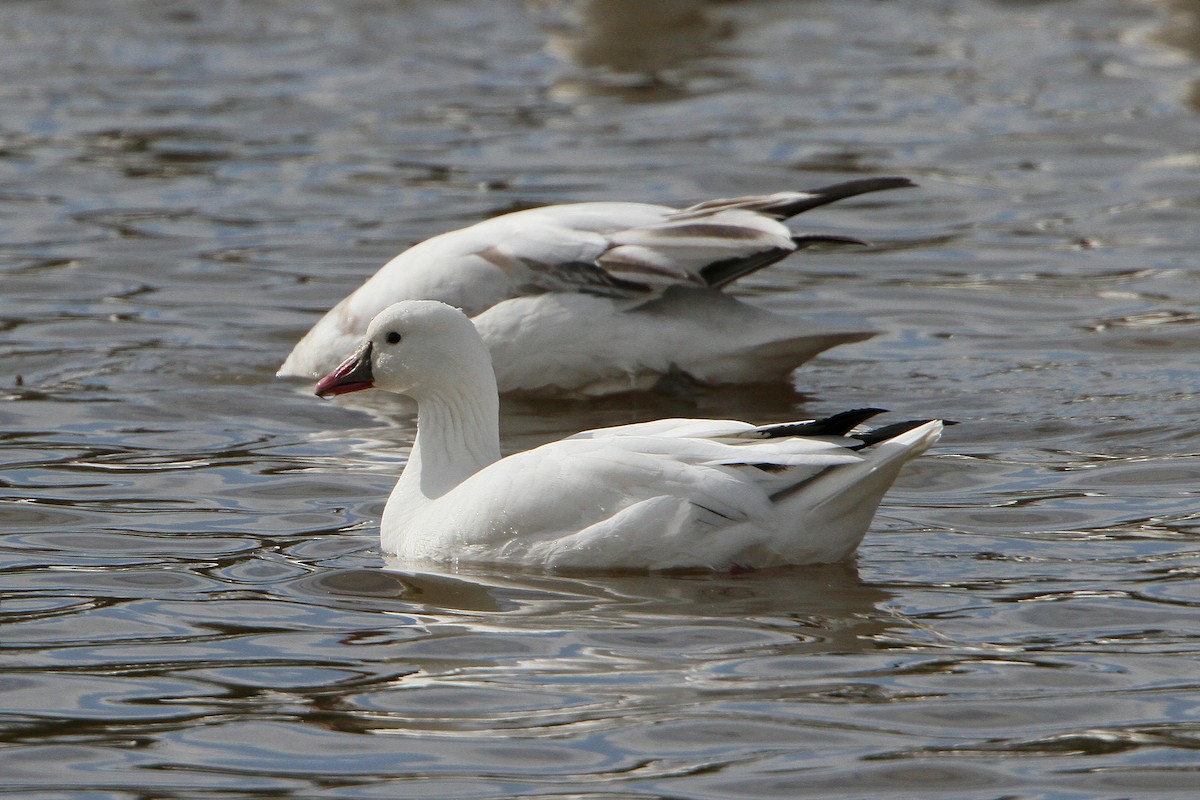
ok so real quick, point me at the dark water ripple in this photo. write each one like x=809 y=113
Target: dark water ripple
x=192 y=604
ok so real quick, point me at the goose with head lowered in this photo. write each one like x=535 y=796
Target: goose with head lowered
x=593 y=298
x=667 y=494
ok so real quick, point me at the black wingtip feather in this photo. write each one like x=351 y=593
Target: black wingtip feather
x=720 y=274
x=807 y=240
x=835 y=425
x=840 y=191
x=891 y=431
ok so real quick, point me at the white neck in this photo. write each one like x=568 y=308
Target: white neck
x=458 y=434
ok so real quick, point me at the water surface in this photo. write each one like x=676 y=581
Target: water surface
x=192 y=602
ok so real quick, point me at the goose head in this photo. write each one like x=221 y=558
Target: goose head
x=414 y=348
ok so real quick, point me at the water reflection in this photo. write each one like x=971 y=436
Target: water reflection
x=831 y=600
x=479 y=652
x=1182 y=32
x=628 y=47
x=1182 y=28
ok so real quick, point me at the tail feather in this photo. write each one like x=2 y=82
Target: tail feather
x=839 y=503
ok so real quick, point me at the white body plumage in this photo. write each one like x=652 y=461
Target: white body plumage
x=673 y=493
x=592 y=298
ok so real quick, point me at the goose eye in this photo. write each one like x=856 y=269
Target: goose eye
x=393 y=337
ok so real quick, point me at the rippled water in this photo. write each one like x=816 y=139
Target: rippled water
x=192 y=602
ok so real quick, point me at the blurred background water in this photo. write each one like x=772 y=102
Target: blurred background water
x=192 y=602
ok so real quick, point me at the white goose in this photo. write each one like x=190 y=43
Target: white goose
x=592 y=298
x=674 y=493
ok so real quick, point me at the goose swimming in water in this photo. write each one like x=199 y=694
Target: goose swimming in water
x=587 y=299
x=673 y=493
